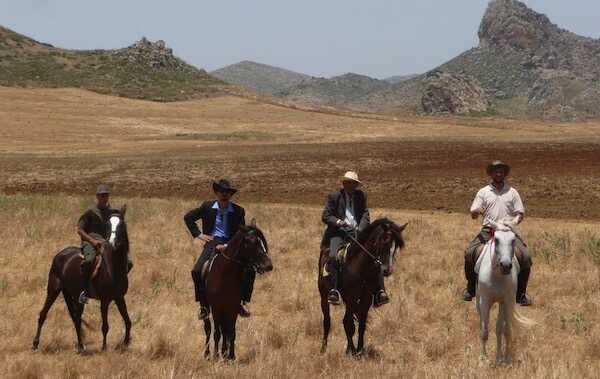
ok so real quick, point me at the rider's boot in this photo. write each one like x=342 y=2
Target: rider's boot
x=471 y=276
x=381 y=297
x=204 y=309
x=244 y=311
x=522 y=281
x=86 y=273
x=334 y=297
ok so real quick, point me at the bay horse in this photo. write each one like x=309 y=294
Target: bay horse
x=247 y=249
x=498 y=270
x=109 y=284
x=358 y=278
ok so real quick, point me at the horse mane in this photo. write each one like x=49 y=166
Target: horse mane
x=384 y=221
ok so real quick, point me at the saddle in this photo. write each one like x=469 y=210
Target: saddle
x=340 y=256
x=206 y=267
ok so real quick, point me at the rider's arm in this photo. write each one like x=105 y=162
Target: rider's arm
x=81 y=226
x=190 y=219
x=328 y=217
x=519 y=209
x=477 y=207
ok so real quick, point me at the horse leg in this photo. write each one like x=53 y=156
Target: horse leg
x=51 y=295
x=362 y=327
x=483 y=307
x=326 y=322
x=217 y=335
x=75 y=311
x=349 y=328
x=508 y=345
x=231 y=338
x=207 y=332
x=122 y=306
x=104 y=311
x=500 y=328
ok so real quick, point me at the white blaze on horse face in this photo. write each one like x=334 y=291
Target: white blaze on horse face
x=114 y=222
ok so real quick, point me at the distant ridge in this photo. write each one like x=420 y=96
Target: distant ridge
x=261 y=78
x=336 y=91
x=144 y=70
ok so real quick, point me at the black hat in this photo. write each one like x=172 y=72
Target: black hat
x=496 y=165
x=223 y=186
x=103 y=189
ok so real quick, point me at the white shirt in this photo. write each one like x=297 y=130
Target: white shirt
x=498 y=203
x=350 y=219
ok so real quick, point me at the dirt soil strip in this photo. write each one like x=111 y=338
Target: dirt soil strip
x=555 y=180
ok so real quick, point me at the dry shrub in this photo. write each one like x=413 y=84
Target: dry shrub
x=160 y=347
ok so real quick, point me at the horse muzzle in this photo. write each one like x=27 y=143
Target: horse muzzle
x=265 y=266
x=505 y=268
x=388 y=271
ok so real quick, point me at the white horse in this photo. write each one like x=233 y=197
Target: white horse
x=497 y=270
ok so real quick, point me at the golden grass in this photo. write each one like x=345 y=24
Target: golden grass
x=427 y=331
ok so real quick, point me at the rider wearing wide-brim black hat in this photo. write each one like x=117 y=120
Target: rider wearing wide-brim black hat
x=221 y=219
x=494 y=202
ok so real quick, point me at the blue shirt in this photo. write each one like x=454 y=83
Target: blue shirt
x=222 y=221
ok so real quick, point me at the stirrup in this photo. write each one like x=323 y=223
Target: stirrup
x=381 y=298
x=334 y=297
x=244 y=312
x=83 y=297
x=203 y=313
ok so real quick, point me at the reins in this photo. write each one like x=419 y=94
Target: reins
x=364 y=249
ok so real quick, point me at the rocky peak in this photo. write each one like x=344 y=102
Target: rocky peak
x=448 y=93
x=511 y=23
x=154 y=54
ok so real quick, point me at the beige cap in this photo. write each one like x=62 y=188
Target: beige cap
x=352 y=176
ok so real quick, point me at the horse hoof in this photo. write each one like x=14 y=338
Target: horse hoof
x=81 y=349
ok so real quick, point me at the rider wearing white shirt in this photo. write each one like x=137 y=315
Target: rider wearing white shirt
x=494 y=202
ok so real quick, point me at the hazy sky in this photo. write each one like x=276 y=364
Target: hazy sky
x=379 y=38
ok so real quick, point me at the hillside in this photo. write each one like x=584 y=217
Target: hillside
x=335 y=91
x=527 y=66
x=262 y=78
x=144 y=70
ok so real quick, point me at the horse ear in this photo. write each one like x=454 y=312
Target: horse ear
x=253 y=222
x=123 y=210
x=403 y=227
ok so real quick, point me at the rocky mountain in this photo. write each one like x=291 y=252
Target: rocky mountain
x=335 y=91
x=144 y=70
x=261 y=78
x=527 y=66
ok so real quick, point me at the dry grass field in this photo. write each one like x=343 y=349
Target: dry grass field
x=427 y=331
x=56 y=145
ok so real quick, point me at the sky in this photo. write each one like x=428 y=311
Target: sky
x=379 y=38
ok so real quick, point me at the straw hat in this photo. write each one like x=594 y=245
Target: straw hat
x=351 y=176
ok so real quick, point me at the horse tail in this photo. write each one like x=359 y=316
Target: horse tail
x=520 y=320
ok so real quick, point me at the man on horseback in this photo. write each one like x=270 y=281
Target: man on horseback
x=346 y=212
x=494 y=202
x=221 y=219
x=93 y=230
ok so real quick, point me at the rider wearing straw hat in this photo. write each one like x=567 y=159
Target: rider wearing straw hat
x=346 y=212
x=494 y=202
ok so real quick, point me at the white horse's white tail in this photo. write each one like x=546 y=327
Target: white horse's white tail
x=522 y=321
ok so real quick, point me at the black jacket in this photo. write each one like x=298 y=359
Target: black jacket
x=335 y=209
x=208 y=215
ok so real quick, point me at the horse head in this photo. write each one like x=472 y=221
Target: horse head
x=384 y=237
x=254 y=249
x=118 y=238
x=505 y=232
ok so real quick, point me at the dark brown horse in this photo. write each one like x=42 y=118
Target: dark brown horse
x=247 y=249
x=359 y=276
x=110 y=283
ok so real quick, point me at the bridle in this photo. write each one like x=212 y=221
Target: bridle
x=261 y=251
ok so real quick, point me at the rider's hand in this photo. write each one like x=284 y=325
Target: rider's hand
x=220 y=248
x=341 y=223
x=205 y=237
x=97 y=244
